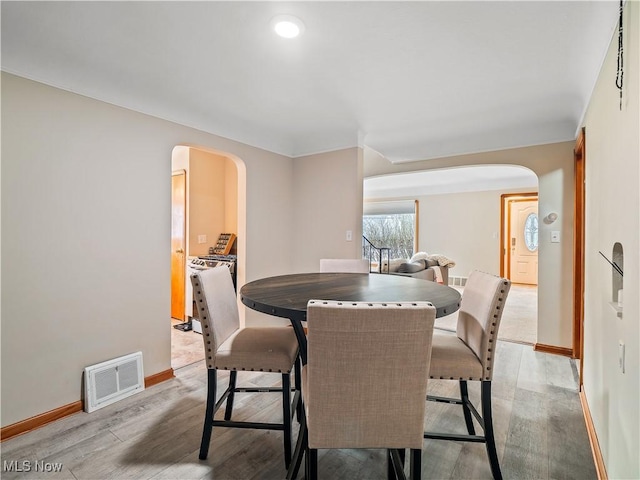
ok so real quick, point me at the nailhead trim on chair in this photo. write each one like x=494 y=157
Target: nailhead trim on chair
x=493 y=324
x=206 y=327
x=488 y=368
x=369 y=304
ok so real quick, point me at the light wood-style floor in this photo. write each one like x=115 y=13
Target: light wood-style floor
x=156 y=434
x=186 y=347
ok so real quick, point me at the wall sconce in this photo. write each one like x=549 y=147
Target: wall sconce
x=549 y=219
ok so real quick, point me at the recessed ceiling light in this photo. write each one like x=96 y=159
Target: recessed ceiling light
x=287 y=26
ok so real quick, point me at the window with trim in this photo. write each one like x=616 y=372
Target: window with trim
x=392 y=226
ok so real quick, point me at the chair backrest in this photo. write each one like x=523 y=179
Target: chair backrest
x=483 y=300
x=344 y=265
x=366 y=377
x=217 y=307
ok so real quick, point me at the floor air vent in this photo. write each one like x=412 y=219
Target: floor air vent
x=113 y=380
x=457 y=281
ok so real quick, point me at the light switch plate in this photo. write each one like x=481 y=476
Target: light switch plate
x=202 y=239
x=555 y=236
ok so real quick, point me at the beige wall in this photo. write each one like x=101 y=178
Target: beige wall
x=328 y=202
x=86 y=219
x=86 y=237
x=231 y=197
x=612 y=208
x=206 y=200
x=212 y=199
x=465 y=227
x=553 y=164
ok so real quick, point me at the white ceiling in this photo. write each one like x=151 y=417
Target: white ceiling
x=411 y=80
x=474 y=178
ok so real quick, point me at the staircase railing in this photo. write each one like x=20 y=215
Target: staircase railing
x=375 y=254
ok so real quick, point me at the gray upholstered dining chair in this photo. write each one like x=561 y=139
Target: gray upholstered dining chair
x=469 y=356
x=229 y=347
x=344 y=265
x=366 y=379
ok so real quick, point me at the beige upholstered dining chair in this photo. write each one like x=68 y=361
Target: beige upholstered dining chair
x=344 y=265
x=469 y=356
x=229 y=347
x=366 y=378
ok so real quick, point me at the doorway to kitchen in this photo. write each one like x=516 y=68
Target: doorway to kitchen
x=207 y=202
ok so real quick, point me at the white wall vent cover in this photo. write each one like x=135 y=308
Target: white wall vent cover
x=457 y=281
x=113 y=380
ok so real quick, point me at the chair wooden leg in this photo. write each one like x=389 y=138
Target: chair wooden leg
x=233 y=375
x=208 y=415
x=488 y=430
x=415 y=464
x=286 y=417
x=464 y=396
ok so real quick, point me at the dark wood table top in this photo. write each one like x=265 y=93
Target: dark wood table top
x=287 y=295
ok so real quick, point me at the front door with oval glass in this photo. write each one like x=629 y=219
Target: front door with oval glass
x=523 y=241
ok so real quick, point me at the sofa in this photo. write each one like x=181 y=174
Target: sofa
x=434 y=268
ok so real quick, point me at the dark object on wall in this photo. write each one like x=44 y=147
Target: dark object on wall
x=620 y=67
x=613 y=264
x=224 y=244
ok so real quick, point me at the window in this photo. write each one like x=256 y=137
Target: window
x=392 y=226
x=531 y=232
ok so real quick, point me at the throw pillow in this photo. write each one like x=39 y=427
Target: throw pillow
x=412 y=267
x=419 y=256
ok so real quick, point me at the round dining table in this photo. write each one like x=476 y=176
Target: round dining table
x=287 y=296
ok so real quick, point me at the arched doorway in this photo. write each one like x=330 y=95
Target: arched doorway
x=461 y=217
x=213 y=204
